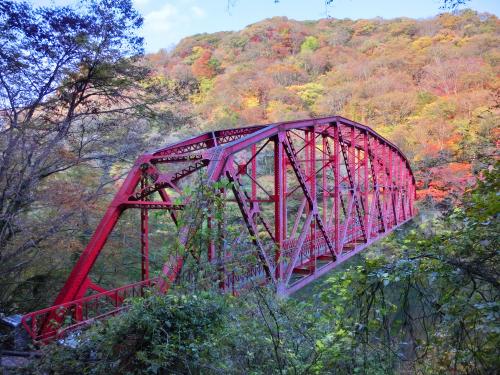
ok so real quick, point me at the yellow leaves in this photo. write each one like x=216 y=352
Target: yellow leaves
x=206 y=84
x=156 y=81
x=284 y=29
x=444 y=37
x=364 y=27
x=309 y=92
x=480 y=111
x=460 y=42
x=251 y=101
x=197 y=51
x=442 y=108
x=273 y=105
x=224 y=115
x=448 y=20
x=422 y=43
x=310 y=44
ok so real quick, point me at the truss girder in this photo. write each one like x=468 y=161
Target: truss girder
x=311 y=194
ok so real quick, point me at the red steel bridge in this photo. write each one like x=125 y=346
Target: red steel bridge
x=311 y=194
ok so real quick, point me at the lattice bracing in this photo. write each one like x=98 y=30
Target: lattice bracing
x=309 y=195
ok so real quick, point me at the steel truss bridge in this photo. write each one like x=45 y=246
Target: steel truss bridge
x=311 y=194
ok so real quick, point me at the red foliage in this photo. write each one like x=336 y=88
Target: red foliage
x=430 y=86
x=445 y=180
x=201 y=67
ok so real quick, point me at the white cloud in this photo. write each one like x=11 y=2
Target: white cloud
x=197 y=11
x=167 y=23
x=161 y=20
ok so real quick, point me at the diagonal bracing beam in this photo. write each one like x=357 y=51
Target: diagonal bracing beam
x=377 y=173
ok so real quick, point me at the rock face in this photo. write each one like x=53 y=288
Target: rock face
x=13 y=336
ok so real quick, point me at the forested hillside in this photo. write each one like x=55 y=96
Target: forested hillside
x=79 y=101
x=431 y=86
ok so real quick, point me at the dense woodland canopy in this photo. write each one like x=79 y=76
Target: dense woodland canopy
x=78 y=103
x=431 y=86
x=76 y=107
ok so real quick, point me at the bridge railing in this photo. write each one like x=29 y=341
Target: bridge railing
x=81 y=312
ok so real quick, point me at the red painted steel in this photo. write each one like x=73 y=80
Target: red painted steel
x=312 y=193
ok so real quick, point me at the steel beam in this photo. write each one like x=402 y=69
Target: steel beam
x=365 y=185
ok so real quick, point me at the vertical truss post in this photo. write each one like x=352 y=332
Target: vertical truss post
x=351 y=159
x=144 y=239
x=408 y=192
x=366 y=186
x=284 y=187
x=324 y=164
x=312 y=184
x=359 y=180
x=395 y=188
x=375 y=150
x=291 y=153
x=411 y=193
x=353 y=198
x=385 y=158
x=388 y=173
x=219 y=250
x=392 y=191
x=400 y=190
x=404 y=191
x=403 y=188
x=336 y=198
x=279 y=203
x=254 y=172
x=251 y=226
x=306 y=166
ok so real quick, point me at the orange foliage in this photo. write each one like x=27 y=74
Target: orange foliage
x=430 y=86
x=201 y=67
x=439 y=182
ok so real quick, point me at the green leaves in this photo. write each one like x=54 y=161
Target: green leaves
x=310 y=44
x=439 y=291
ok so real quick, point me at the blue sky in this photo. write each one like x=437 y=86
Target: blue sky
x=168 y=21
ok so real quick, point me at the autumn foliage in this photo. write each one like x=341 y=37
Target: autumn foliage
x=431 y=86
